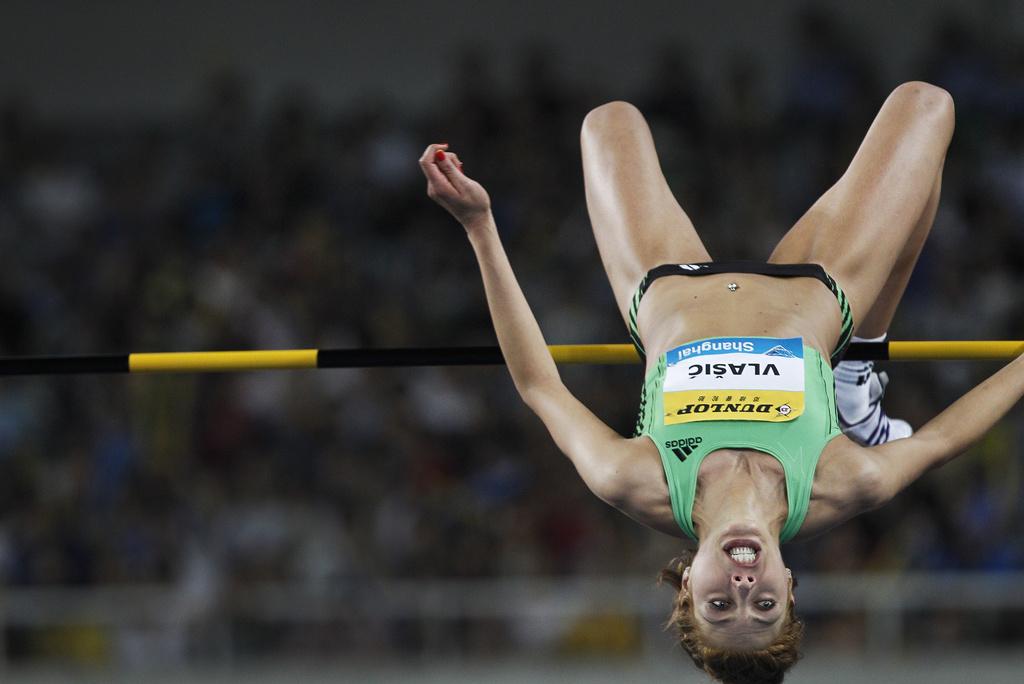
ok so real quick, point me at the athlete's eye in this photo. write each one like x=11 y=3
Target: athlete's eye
x=767 y=604
x=719 y=604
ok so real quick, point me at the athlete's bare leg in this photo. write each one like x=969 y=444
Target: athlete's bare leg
x=878 y=319
x=859 y=389
x=860 y=227
x=637 y=222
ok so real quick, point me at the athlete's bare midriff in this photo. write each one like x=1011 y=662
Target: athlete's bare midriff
x=678 y=309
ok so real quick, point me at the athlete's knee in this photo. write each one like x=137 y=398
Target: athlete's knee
x=927 y=100
x=612 y=114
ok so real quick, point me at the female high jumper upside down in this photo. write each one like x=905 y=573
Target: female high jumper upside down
x=739 y=444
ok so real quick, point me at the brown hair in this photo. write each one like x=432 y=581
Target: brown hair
x=766 y=666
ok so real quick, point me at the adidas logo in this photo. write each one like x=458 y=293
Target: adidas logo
x=692 y=267
x=683 y=447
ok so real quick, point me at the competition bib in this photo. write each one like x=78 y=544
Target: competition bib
x=734 y=378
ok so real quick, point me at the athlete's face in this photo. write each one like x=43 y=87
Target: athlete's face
x=740 y=599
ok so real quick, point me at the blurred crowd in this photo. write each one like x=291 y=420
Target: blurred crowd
x=291 y=226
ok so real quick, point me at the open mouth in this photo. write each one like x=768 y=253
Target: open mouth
x=745 y=552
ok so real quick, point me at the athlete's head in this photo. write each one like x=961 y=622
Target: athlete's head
x=734 y=610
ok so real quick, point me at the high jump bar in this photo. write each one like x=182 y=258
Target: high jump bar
x=291 y=359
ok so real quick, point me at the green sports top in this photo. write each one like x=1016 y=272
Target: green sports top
x=740 y=393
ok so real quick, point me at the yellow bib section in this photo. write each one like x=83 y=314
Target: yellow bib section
x=774 y=407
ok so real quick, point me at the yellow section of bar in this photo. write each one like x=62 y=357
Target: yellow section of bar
x=206 y=362
x=594 y=353
x=949 y=350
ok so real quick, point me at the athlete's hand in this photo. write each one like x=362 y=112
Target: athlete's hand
x=449 y=186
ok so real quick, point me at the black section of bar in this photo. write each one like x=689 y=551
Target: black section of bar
x=64 y=365
x=412 y=356
x=867 y=351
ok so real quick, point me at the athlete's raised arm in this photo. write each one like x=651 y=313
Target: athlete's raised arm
x=898 y=463
x=598 y=452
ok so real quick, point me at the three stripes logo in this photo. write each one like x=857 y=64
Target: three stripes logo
x=683 y=447
x=692 y=267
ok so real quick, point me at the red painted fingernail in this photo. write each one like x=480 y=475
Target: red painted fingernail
x=460 y=169
x=439 y=155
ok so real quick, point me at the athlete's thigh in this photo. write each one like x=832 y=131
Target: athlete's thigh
x=859 y=227
x=637 y=222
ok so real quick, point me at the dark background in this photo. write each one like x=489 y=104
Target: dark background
x=194 y=175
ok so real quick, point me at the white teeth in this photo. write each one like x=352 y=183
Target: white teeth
x=743 y=554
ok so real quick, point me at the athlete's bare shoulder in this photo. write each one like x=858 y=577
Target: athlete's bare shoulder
x=644 y=489
x=842 y=486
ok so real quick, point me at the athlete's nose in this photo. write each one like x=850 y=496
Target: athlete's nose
x=744 y=581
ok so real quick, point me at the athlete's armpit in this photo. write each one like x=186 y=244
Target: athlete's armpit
x=627 y=474
x=846 y=484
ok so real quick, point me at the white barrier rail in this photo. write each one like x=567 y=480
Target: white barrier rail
x=884 y=600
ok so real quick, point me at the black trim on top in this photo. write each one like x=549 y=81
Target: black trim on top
x=740 y=266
